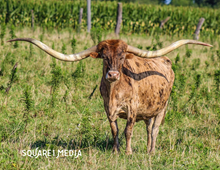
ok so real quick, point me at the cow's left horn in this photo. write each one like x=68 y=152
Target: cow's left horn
x=163 y=51
x=53 y=53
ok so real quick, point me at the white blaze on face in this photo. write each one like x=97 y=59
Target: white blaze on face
x=106 y=76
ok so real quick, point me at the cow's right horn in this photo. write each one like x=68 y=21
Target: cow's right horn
x=163 y=51
x=53 y=53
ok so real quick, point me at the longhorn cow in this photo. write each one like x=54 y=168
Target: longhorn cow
x=135 y=85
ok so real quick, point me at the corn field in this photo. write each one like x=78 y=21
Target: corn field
x=137 y=18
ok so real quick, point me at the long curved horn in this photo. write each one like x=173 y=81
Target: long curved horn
x=53 y=53
x=163 y=51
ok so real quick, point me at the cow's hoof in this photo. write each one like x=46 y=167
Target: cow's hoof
x=128 y=152
x=116 y=150
x=151 y=152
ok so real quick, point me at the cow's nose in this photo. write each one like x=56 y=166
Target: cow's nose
x=112 y=76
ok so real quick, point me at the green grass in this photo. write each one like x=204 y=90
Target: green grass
x=48 y=107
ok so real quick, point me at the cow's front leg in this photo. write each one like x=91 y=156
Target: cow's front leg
x=128 y=133
x=114 y=128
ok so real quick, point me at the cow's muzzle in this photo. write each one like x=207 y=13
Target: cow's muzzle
x=112 y=76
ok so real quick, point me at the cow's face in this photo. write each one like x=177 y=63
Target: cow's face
x=113 y=53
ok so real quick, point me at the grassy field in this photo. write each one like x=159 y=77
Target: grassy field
x=50 y=104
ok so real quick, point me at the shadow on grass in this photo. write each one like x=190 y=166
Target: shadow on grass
x=102 y=144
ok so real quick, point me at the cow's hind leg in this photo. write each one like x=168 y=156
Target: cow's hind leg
x=128 y=134
x=155 y=129
x=149 y=123
x=114 y=128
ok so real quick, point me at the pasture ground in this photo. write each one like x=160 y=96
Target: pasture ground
x=48 y=107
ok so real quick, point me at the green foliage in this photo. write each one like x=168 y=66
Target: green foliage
x=140 y=46
x=139 y=1
x=193 y=92
x=41 y=37
x=53 y=46
x=182 y=2
x=14 y=126
x=212 y=3
x=212 y=57
x=159 y=43
x=195 y=63
x=73 y=44
x=3 y=30
x=188 y=53
x=174 y=98
x=56 y=81
x=28 y=105
x=96 y=34
x=28 y=99
x=12 y=33
x=13 y=77
x=137 y=18
x=218 y=54
x=63 y=48
x=80 y=70
x=9 y=60
x=65 y=97
x=155 y=46
x=31 y=51
x=89 y=133
x=56 y=75
x=207 y=64
x=217 y=79
x=197 y=80
x=177 y=59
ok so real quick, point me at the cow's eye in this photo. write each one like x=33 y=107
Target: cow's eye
x=121 y=58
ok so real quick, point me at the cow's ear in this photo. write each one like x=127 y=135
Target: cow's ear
x=95 y=55
x=129 y=56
